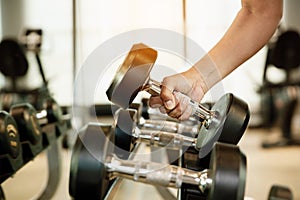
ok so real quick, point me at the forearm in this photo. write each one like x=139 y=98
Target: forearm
x=249 y=32
x=252 y=28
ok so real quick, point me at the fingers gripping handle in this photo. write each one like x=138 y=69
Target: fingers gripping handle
x=199 y=111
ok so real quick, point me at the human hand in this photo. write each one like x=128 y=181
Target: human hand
x=171 y=101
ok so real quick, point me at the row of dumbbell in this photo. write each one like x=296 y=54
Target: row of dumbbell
x=225 y=121
x=163 y=131
x=171 y=134
x=156 y=123
x=129 y=129
x=159 y=126
x=22 y=133
x=95 y=162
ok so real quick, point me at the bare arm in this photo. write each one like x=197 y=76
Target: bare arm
x=251 y=29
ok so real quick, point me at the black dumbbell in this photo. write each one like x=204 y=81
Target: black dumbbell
x=86 y=165
x=93 y=164
x=9 y=135
x=127 y=132
x=30 y=121
x=229 y=114
x=279 y=192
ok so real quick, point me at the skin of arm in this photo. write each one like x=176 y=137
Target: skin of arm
x=251 y=29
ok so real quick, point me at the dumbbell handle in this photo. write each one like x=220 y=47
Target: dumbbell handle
x=198 y=110
x=157 y=173
x=169 y=126
x=161 y=138
x=42 y=117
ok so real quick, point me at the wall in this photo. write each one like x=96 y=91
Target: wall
x=291 y=14
x=206 y=22
x=55 y=19
x=100 y=20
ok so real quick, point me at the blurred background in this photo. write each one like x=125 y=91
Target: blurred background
x=74 y=29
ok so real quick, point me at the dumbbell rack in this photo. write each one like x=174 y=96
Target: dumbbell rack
x=185 y=193
x=51 y=134
x=189 y=160
x=115 y=184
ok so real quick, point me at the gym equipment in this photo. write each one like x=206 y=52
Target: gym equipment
x=2 y=196
x=30 y=121
x=229 y=114
x=32 y=40
x=127 y=133
x=93 y=164
x=190 y=127
x=26 y=118
x=145 y=105
x=286 y=100
x=86 y=180
x=279 y=192
x=283 y=55
x=13 y=62
x=9 y=135
x=162 y=122
x=10 y=146
x=146 y=112
x=14 y=65
x=37 y=129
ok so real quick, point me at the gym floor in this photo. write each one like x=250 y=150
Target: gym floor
x=265 y=167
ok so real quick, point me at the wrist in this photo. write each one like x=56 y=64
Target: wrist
x=207 y=71
x=197 y=79
x=197 y=86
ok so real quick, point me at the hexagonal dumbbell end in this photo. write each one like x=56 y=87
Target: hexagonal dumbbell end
x=27 y=121
x=9 y=135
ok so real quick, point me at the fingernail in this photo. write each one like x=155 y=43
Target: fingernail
x=169 y=104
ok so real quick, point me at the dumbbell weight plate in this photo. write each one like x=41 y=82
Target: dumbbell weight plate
x=228 y=126
x=93 y=143
x=9 y=135
x=13 y=62
x=279 y=192
x=54 y=111
x=124 y=141
x=25 y=116
x=132 y=75
x=228 y=165
x=145 y=106
x=237 y=119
